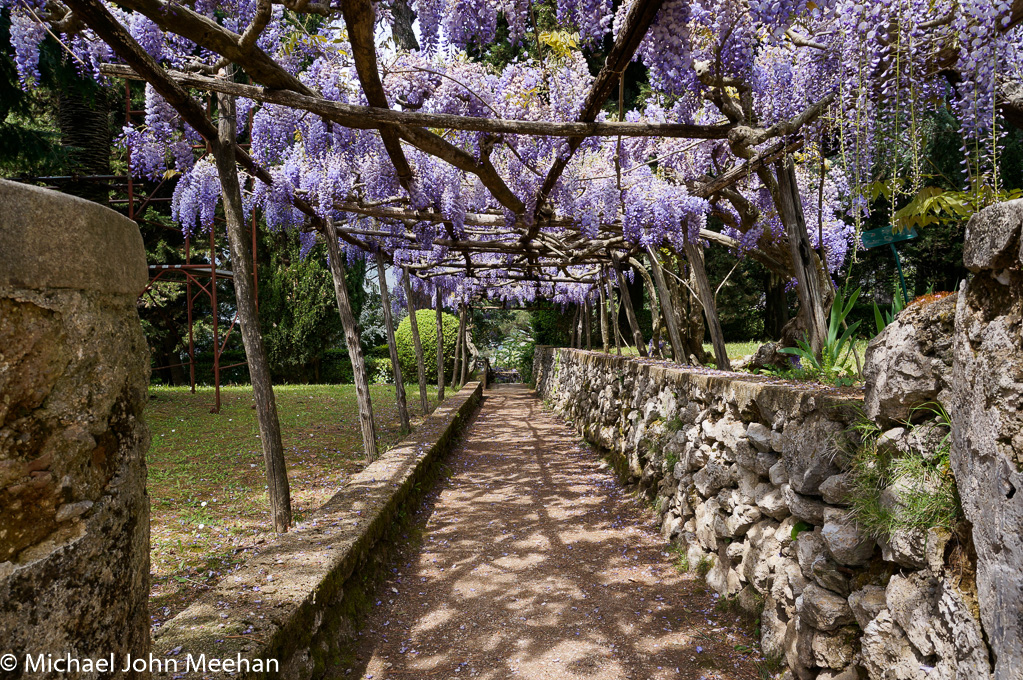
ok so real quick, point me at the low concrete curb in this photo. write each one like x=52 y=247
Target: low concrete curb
x=294 y=615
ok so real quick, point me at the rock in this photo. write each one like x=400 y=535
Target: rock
x=723 y=578
x=741 y=519
x=847 y=543
x=912 y=601
x=958 y=637
x=712 y=478
x=760 y=436
x=847 y=673
x=809 y=547
x=671 y=527
x=768 y=356
x=992 y=237
x=893 y=442
x=987 y=422
x=799 y=650
x=772 y=630
x=866 y=603
x=707 y=515
x=735 y=551
x=72 y=510
x=764 y=462
x=726 y=431
x=822 y=609
x=905 y=547
x=803 y=507
x=835 y=650
x=811 y=551
x=886 y=652
x=761 y=545
x=778 y=474
x=809 y=452
x=770 y=501
x=835 y=489
x=788 y=583
x=777 y=441
x=930 y=439
x=910 y=362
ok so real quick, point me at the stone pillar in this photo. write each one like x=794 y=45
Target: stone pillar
x=74 y=369
x=987 y=422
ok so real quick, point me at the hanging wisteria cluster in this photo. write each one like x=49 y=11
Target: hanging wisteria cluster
x=873 y=67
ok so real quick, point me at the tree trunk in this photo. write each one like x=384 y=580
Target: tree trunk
x=399 y=384
x=603 y=315
x=344 y=306
x=403 y=18
x=678 y=349
x=654 y=303
x=255 y=352
x=417 y=343
x=456 y=369
x=776 y=309
x=465 y=344
x=440 y=349
x=614 y=312
x=710 y=311
x=85 y=133
x=623 y=289
x=813 y=298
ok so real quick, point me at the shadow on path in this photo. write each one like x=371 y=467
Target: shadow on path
x=535 y=563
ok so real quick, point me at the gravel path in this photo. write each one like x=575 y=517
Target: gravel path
x=535 y=563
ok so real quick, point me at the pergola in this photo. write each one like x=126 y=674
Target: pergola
x=535 y=246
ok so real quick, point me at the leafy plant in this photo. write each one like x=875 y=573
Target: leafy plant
x=898 y=304
x=829 y=366
x=921 y=489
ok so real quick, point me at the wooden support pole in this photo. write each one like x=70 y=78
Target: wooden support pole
x=694 y=253
x=589 y=325
x=399 y=383
x=651 y=291
x=416 y=342
x=573 y=328
x=613 y=311
x=807 y=266
x=678 y=350
x=351 y=328
x=255 y=352
x=456 y=368
x=465 y=344
x=630 y=312
x=440 y=348
x=603 y=316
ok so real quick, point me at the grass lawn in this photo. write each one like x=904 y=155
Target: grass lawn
x=207 y=486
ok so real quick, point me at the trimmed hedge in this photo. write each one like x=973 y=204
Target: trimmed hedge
x=427 y=321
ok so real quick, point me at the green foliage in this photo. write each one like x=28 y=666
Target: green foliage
x=516 y=352
x=704 y=566
x=922 y=491
x=680 y=556
x=830 y=366
x=551 y=325
x=898 y=304
x=799 y=527
x=426 y=319
x=297 y=308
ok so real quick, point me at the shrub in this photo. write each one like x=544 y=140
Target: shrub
x=427 y=321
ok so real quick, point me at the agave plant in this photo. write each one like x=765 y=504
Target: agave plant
x=838 y=343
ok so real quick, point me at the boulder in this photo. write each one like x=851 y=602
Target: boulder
x=823 y=609
x=799 y=650
x=773 y=625
x=835 y=650
x=707 y=516
x=987 y=422
x=760 y=436
x=835 y=489
x=803 y=507
x=810 y=450
x=741 y=519
x=846 y=541
x=909 y=363
x=712 y=478
x=866 y=603
x=886 y=652
x=912 y=601
x=778 y=474
x=770 y=500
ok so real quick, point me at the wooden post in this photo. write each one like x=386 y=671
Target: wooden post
x=805 y=263
x=626 y=299
x=588 y=324
x=465 y=344
x=603 y=314
x=614 y=318
x=399 y=384
x=416 y=342
x=344 y=307
x=440 y=348
x=651 y=291
x=573 y=328
x=710 y=311
x=255 y=352
x=456 y=369
x=678 y=350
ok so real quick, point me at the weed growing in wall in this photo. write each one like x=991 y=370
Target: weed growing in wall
x=894 y=489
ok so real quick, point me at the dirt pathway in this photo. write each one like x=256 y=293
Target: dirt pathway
x=535 y=563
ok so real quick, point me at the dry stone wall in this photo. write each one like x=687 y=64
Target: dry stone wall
x=74 y=369
x=750 y=478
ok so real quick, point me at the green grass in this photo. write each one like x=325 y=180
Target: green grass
x=207 y=484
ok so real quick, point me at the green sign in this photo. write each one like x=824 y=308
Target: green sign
x=886 y=236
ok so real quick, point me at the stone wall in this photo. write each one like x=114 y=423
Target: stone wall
x=749 y=477
x=74 y=369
